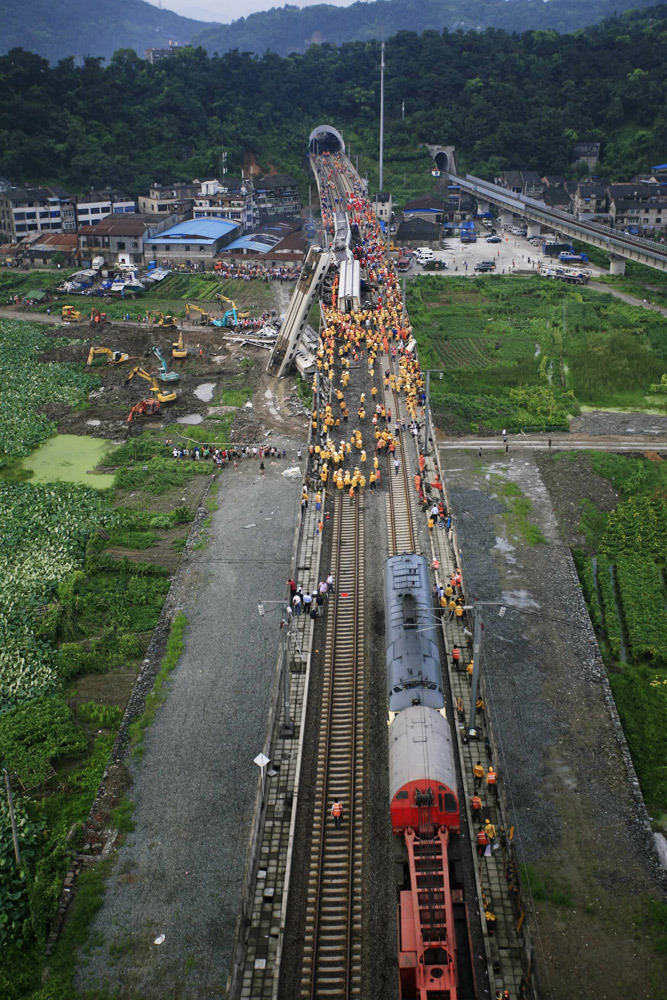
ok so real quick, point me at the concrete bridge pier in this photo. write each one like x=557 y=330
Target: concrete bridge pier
x=617 y=264
x=506 y=218
x=533 y=229
x=483 y=206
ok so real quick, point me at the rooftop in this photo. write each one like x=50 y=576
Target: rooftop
x=195 y=231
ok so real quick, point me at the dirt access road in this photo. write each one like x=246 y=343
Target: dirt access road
x=563 y=764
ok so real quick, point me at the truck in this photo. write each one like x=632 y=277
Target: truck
x=573 y=258
x=468 y=232
x=555 y=249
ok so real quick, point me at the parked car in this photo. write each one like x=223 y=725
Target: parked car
x=494 y=239
x=485 y=265
x=436 y=265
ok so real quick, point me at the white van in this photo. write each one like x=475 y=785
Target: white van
x=424 y=254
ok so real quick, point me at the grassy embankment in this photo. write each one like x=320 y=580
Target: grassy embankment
x=83 y=577
x=526 y=353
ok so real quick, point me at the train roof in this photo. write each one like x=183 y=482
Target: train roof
x=420 y=749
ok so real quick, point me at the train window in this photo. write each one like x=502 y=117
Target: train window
x=397 y=688
x=451 y=805
x=401 y=795
x=440 y=801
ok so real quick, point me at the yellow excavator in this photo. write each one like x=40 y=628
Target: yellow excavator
x=191 y=307
x=159 y=319
x=178 y=349
x=155 y=390
x=113 y=357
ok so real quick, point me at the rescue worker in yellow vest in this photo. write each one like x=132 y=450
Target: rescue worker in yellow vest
x=337 y=812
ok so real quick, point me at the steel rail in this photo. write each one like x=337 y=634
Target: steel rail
x=332 y=946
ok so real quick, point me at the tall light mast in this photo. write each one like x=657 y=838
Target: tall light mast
x=382 y=119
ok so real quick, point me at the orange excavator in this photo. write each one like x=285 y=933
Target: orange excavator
x=147 y=406
x=98 y=317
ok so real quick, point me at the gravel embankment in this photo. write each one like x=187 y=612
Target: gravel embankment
x=179 y=874
x=563 y=765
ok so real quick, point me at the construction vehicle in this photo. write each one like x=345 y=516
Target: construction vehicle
x=165 y=375
x=70 y=314
x=113 y=357
x=98 y=317
x=159 y=319
x=144 y=406
x=178 y=350
x=232 y=316
x=155 y=390
x=191 y=307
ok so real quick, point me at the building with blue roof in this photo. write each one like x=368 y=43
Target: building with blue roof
x=194 y=241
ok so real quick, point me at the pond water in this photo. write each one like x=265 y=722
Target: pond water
x=205 y=391
x=69 y=458
x=190 y=418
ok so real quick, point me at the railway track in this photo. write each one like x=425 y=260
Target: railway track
x=332 y=944
x=401 y=533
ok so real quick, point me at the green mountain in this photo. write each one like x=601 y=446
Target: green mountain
x=59 y=28
x=56 y=29
x=290 y=29
x=504 y=101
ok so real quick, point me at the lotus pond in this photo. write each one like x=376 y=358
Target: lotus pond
x=70 y=458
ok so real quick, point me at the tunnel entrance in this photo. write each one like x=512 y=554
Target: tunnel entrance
x=326 y=138
x=441 y=161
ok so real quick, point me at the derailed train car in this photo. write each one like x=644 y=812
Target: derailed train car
x=434 y=953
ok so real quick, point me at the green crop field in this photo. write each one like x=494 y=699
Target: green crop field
x=623 y=577
x=525 y=353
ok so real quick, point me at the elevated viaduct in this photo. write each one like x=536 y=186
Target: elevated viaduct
x=621 y=246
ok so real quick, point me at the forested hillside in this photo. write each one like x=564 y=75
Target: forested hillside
x=290 y=29
x=59 y=28
x=502 y=100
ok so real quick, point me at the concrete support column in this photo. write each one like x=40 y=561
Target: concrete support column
x=617 y=264
x=506 y=217
x=483 y=206
x=532 y=229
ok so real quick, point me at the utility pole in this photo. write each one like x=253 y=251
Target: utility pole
x=402 y=111
x=382 y=118
x=12 y=818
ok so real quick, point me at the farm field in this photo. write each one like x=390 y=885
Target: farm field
x=525 y=354
x=83 y=577
x=619 y=542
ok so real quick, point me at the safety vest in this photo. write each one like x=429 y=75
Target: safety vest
x=456 y=654
x=337 y=810
x=491 y=777
x=482 y=839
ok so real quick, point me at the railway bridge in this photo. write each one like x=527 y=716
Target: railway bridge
x=620 y=245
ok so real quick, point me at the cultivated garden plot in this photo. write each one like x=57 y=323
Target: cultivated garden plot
x=525 y=354
x=620 y=554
